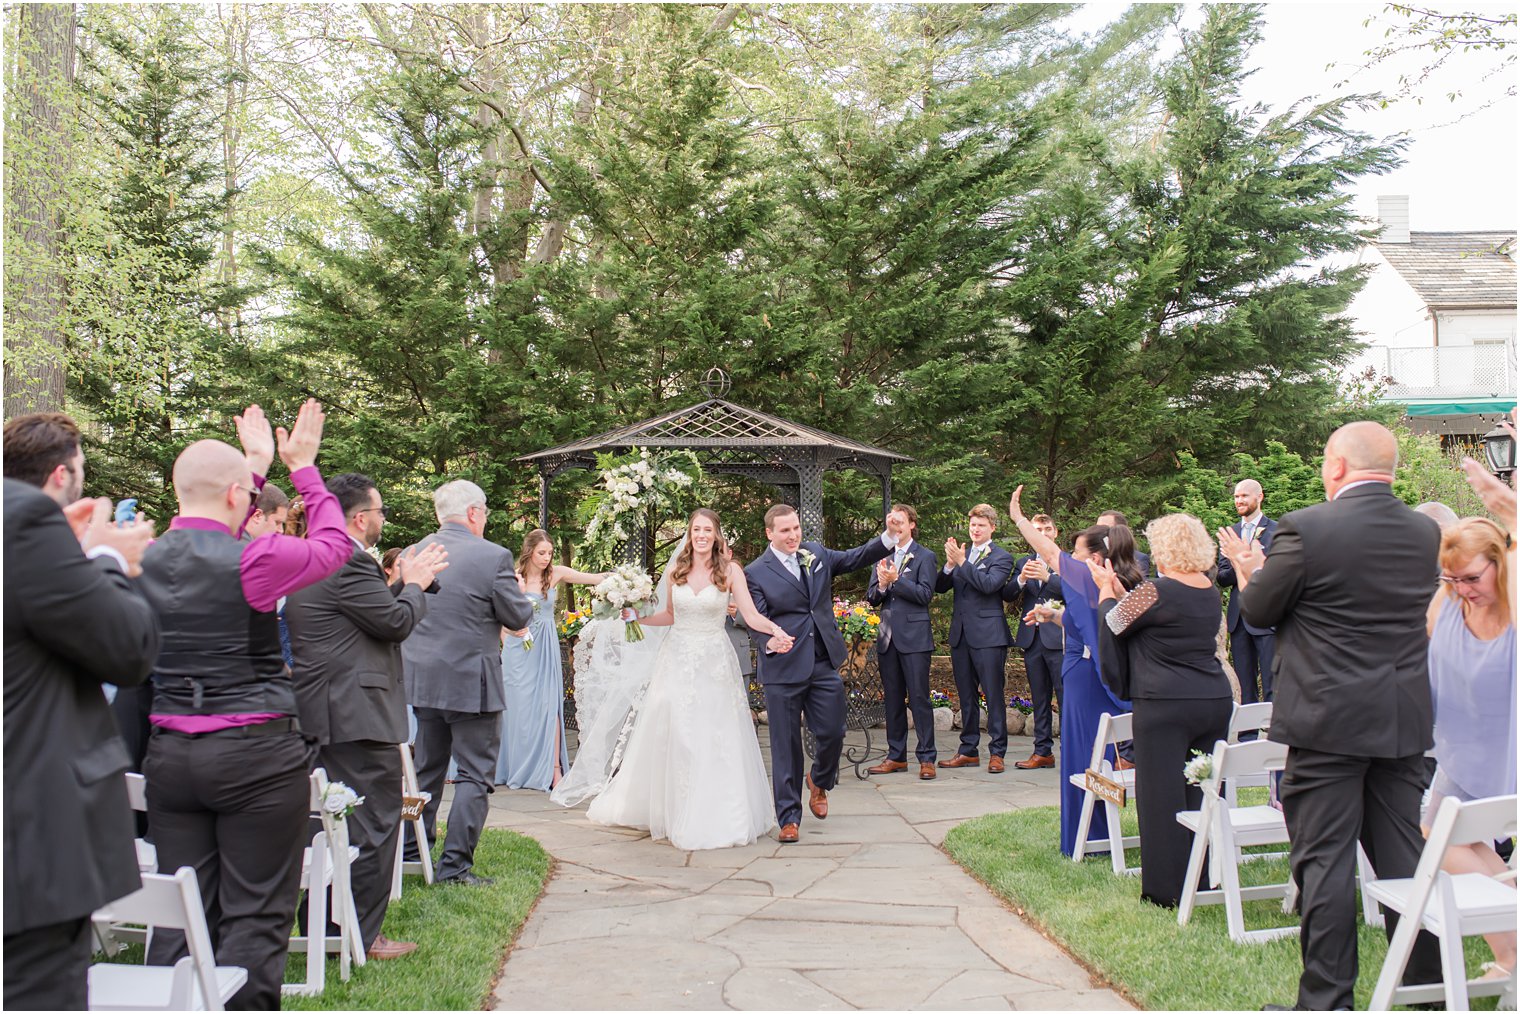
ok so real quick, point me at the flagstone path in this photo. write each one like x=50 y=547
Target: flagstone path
x=864 y=912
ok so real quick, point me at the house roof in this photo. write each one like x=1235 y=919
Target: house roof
x=1457 y=269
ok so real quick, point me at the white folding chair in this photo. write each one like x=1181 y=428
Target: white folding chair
x=1112 y=730
x=413 y=799
x=327 y=864
x=1247 y=718
x=109 y=938
x=1449 y=906
x=1220 y=831
x=196 y=982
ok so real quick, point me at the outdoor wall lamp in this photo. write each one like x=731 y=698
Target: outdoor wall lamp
x=1499 y=449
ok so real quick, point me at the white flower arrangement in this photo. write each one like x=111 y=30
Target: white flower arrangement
x=627 y=587
x=644 y=486
x=808 y=559
x=340 y=801
x=1199 y=768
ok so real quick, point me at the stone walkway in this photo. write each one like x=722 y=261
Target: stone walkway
x=864 y=912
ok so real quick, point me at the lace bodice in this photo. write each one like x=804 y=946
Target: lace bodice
x=698 y=612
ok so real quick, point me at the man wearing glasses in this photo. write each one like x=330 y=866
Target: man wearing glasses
x=1347 y=584
x=453 y=672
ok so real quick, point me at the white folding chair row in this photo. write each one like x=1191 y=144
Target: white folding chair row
x=1450 y=906
x=1112 y=730
x=196 y=982
x=412 y=798
x=327 y=864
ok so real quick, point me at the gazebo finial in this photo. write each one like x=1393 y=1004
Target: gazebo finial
x=716 y=383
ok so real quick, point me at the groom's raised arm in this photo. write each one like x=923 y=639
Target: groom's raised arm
x=879 y=548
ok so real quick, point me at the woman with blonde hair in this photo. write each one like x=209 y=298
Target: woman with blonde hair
x=1471 y=623
x=532 y=754
x=1156 y=648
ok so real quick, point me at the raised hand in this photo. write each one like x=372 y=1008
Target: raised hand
x=298 y=448
x=79 y=514
x=421 y=566
x=257 y=439
x=130 y=540
x=1015 y=510
x=1497 y=496
x=955 y=553
x=1247 y=557
x=1104 y=577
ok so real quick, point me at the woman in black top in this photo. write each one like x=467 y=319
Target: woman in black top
x=1156 y=647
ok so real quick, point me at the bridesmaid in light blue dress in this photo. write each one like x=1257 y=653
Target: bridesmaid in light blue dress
x=532 y=754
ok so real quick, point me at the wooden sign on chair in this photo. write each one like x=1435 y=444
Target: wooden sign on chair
x=1105 y=788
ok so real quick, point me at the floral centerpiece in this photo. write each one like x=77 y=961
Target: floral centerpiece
x=626 y=587
x=856 y=621
x=631 y=490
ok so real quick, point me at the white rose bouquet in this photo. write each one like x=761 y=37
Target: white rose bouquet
x=626 y=587
x=1199 y=768
x=340 y=800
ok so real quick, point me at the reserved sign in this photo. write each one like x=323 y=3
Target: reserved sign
x=411 y=807
x=1105 y=788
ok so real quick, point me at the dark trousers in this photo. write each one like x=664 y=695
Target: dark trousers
x=1331 y=801
x=1166 y=734
x=1043 y=667
x=981 y=669
x=821 y=698
x=473 y=740
x=905 y=678
x=1251 y=656
x=234 y=807
x=373 y=770
x=48 y=967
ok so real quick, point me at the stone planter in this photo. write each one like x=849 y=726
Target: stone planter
x=944 y=719
x=1017 y=721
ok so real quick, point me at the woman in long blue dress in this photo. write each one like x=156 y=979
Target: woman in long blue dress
x=1084 y=698
x=532 y=754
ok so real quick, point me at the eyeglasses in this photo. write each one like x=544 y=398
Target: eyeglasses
x=372 y=510
x=1467 y=581
x=253 y=494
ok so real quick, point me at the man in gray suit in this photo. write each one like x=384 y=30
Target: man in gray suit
x=453 y=671
x=346 y=634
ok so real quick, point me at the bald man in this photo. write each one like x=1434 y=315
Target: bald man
x=1251 y=647
x=1346 y=585
x=227 y=765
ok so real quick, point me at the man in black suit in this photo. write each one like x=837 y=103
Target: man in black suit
x=72 y=623
x=1251 y=647
x=1346 y=585
x=1042 y=643
x=902 y=586
x=346 y=633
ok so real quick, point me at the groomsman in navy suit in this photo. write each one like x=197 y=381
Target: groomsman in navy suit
x=1251 y=647
x=1042 y=643
x=979 y=636
x=901 y=586
x=792 y=584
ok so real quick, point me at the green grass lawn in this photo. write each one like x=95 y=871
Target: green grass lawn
x=1099 y=918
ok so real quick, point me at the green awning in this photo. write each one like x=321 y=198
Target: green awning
x=1445 y=406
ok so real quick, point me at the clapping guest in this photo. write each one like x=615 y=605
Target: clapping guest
x=979 y=637
x=1471 y=623
x=1086 y=698
x=1156 y=649
x=532 y=754
x=902 y=587
x=1033 y=583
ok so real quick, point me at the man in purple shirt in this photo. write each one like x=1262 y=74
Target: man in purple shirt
x=227 y=765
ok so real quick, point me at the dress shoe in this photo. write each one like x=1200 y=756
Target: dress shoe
x=960 y=760
x=383 y=949
x=926 y=772
x=1036 y=760
x=994 y=765
x=818 y=800
x=468 y=878
x=888 y=767
x=1120 y=764
x=788 y=835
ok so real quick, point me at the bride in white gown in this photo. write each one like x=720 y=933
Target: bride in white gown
x=691 y=770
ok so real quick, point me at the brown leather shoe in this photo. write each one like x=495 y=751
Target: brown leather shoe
x=1036 y=760
x=1120 y=764
x=994 y=765
x=818 y=800
x=888 y=767
x=926 y=772
x=788 y=835
x=960 y=760
x=383 y=949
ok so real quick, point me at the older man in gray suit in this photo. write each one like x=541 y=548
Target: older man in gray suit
x=346 y=634
x=453 y=671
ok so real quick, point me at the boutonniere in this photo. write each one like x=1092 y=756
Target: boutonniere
x=1256 y=533
x=907 y=559
x=807 y=558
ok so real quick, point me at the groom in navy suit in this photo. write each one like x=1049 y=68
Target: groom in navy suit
x=978 y=636
x=792 y=584
x=1251 y=647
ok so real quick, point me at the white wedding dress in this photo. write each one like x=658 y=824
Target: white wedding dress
x=691 y=772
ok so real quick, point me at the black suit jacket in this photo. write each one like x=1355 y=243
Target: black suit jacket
x=1346 y=584
x=71 y=624
x=1025 y=595
x=346 y=634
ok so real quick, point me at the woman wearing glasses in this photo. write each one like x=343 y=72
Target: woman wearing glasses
x=1471 y=623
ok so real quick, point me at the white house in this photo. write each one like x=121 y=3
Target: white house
x=1438 y=314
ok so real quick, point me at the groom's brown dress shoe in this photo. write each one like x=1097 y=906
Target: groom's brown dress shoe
x=995 y=765
x=788 y=835
x=960 y=760
x=888 y=767
x=926 y=772
x=818 y=800
x=1036 y=760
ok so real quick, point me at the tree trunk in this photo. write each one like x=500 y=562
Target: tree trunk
x=35 y=182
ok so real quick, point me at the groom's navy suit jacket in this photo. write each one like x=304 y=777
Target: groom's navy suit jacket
x=807 y=615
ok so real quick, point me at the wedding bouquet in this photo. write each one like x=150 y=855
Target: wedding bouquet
x=1199 y=769
x=626 y=587
x=340 y=800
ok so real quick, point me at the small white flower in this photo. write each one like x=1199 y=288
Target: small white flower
x=1199 y=769
x=807 y=558
x=340 y=800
